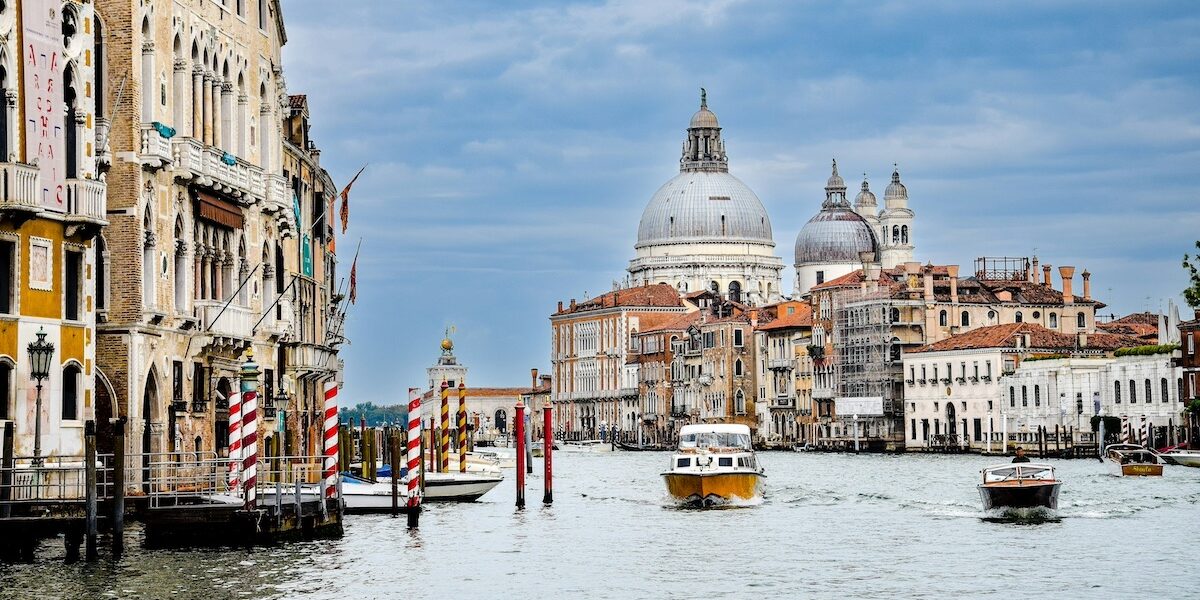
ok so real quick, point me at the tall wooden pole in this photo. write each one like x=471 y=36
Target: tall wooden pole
x=520 y=447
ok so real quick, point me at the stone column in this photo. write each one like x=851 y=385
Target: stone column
x=179 y=97
x=196 y=130
x=218 y=100
x=208 y=107
x=199 y=261
x=149 y=87
x=265 y=134
x=243 y=124
x=218 y=269
x=10 y=110
x=227 y=125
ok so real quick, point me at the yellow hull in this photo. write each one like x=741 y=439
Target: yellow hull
x=714 y=488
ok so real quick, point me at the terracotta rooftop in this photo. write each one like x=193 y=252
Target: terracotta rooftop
x=659 y=295
x=480 y=393
x=677 y=323
x=1040 y=339
x=801 y=318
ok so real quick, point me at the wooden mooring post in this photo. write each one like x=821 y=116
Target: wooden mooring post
x=6 y=470
x=394 y=451
x=118 y=487
x=89 y=460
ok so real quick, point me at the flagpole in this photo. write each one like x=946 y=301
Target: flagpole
x=346 y=301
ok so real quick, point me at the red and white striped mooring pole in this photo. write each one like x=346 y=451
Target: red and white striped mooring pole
x=415 y=462
x=547 y=451
x=235 y=441
x=250 y=429
x=330 y=475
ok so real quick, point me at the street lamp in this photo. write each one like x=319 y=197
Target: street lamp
x=40 y=353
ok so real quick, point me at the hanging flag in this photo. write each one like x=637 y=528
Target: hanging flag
x=296 y=210
x=306 y=251
x=346 y=199
x=354 y=281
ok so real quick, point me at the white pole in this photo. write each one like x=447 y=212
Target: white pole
x=1004 y=436
x=855 y=421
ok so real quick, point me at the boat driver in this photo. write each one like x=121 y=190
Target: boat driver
x=1020 y=457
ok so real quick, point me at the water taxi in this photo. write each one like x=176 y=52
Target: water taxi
x=1126 y=460
x=1183 y=457
x=1019 y=485
x=714 y=465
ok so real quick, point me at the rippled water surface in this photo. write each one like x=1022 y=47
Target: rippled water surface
x=833 y=526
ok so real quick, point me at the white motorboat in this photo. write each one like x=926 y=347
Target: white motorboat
x=1182 y=457
x=585 y=446
x=1019 y=485
x=362 y=495
x=714 y=465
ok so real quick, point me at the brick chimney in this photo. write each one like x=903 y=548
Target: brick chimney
x=1087 y=284
x=1033 y=273
x=533 y=375
x=1046 y=276
x=928 y=272
x=952 y=271
x=1067 y=274
x=572 y=304
x=753 y=317
x=560 y=306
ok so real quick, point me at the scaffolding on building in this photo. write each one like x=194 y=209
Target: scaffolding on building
x=1002 y=268
x=866 y=358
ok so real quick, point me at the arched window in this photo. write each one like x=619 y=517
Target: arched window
x=1019 y=317
x=70 y=126
x=6 y=390
x=1037 y=395
x=1024 y=396
x=1149 y=394
x=501 y=421
x=904 y=234
x=943 y=318
x=966 y=319
x=1132 y=392
x=264 y=128
x=5 y=125
x=1116 y=392
x=735 y=291
x=895 y=234
x=739 y=401
x=737 y=367
x=70 y=393
x=147 y=70
x=714 y=287
x=895 y=315
x=1012 y=397
x=1165 y=390
x=1080 y=321
x=148 y=243
x=1053 y=320
x=180 y=276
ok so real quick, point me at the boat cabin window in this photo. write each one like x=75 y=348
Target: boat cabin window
x=683 y=462
x=725 y=461
x=710 y=439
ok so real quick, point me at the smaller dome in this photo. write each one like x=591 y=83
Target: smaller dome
x=895 y=189
x=835 y=181
x=865 y=197
x=835 y=235
x=704 y=118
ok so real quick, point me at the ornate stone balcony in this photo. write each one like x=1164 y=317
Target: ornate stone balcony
x=279 y=201
x=232 y=323
x=213 y=168
x=780 y=364
x=156 y=148
x=20 y=185
x=86 y=201
x=310 y=360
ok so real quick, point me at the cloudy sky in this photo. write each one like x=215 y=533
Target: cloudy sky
x=513 y=145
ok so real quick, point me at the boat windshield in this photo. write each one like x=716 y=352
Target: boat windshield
x=712 y=439
x=1018 y=471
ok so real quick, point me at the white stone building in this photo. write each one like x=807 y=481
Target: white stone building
x=705 y=229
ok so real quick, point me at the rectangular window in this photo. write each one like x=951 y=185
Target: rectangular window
x=5 y=387
x=8 y=277
x=737 y=337
x=70 y=393
x=820 y=277
x=177 y=381
x=269 y=386
x=198 y=383
x=72 y=285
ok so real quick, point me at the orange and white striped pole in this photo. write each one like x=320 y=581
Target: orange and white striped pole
x=331 y=439
x=415 y=461
x=235 y=441
x=249 y=377
x=462 y=427
x=444 y=465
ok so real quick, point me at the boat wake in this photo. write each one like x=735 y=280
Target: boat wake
x=1022 y=516
x=711 y=503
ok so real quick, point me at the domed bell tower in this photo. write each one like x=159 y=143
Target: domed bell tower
x=895 y=225
x=447 y=368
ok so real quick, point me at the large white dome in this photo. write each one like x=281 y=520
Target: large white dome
x=704 y=206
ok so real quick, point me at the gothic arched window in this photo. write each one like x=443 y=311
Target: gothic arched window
x=1080 y=321
x=943 y=319
x=904 y=234
x=895 y=234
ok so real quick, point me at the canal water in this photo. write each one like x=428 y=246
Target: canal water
x=833 y=526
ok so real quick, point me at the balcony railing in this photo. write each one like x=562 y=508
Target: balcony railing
x=156 y=149
x=235 y=321
x=214 y=168
x=649 y=416
x=780 y=363
x=310 y=358
x=823 y=393
x=19 y=187
x=85 y=200
x=626 y=392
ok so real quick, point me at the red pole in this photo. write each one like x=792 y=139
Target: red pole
x=520 y=447
x=547 y=451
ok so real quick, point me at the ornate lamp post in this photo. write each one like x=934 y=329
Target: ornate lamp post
x=40 y=354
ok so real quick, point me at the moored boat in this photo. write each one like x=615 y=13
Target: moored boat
x=1019 y=485
x=1183 y=457
x=364 y=496
x=714 y=465
x=585 y=446
x=1132 y=460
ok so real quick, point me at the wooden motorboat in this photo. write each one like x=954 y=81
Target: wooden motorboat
x=1182 y=457
x=1019 y=485
x=1132 y=460
x=714 y=465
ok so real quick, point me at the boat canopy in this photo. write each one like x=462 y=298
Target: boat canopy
x=1018 y=471
x=715 y=439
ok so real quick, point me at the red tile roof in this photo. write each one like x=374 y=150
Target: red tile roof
x=678 y=323
x=659 y=295
x=1040 y=338
x=801 y=318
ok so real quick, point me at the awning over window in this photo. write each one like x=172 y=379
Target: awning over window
x=217 y=210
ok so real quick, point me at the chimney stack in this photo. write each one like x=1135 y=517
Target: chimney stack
x=928 y=271
x=1087 y=285
x=753 y=317
x=534 y=377
x=1046 y=276
x=1068 y=275
x=545 y=382
x=1033 y=273
x=1082 y=340
x=560 y=306
x=572 y=304
x=952 y=271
